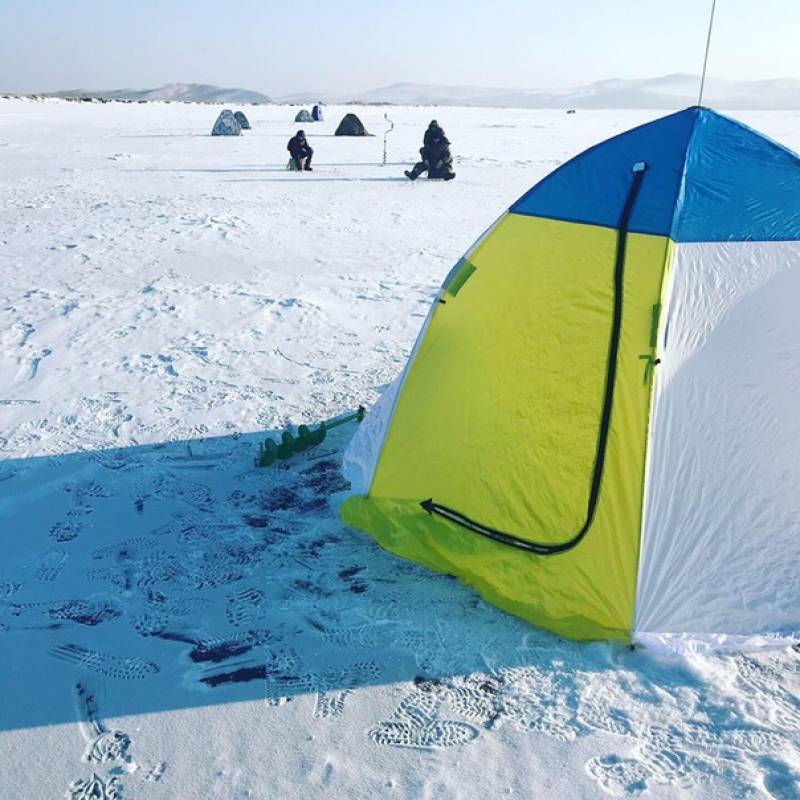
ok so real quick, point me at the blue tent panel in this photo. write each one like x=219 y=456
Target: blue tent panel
x=593 y=186
x=739 y=186
x=709 y=179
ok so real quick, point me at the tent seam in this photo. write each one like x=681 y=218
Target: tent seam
x=677 y=212
x=666 y=279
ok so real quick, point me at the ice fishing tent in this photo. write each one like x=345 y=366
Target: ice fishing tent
x=226 y=125
x=244 y=123
x=351 y=125
x=597 y=427
x=303 y=116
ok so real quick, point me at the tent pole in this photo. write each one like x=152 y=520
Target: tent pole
x=708 y=47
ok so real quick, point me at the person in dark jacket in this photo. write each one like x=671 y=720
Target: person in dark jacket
x=433 y=133
x=436 y=158
x=299 y=149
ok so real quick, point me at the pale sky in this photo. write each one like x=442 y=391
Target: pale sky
x=339 y=46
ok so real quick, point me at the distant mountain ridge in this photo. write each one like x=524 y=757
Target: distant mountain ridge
x=173 y=92
x=666 y=92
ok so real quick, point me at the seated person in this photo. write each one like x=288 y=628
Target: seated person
x=436 y=158
x=300 y=151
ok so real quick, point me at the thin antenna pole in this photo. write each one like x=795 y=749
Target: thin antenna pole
x=708 y=47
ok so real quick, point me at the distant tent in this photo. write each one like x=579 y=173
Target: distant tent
x=226 y=125
x=316 y=113
x=303 y=116
x=351 y=125
x=242 y=120
x=597 y=427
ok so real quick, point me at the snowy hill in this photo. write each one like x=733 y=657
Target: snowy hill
x=667 y=92
x=174 y=92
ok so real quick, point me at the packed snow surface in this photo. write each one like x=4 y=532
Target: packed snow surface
x=176 y=623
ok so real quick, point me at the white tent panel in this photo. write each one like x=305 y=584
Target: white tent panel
x=361 y=456
x=721 y=536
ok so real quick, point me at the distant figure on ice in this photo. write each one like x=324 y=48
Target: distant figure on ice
x=300 y=151
x=436 y=158
x=316 y=113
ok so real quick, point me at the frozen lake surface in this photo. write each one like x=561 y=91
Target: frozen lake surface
x=176 y=623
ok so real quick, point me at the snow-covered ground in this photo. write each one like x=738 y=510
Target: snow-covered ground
x=180 y=624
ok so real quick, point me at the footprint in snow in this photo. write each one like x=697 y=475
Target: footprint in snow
x=417 y=722
x=102 y=745
x=8 y=588
x=156 y=773
x=107 y=664
x=619 y=776
x=50 y=565
x=780 y=779
x=29 y=367
x=64 y=531
x=95 y=788
x=26 y=331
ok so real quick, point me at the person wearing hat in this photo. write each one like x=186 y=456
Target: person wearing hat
x=300 y=151
x=435 y=152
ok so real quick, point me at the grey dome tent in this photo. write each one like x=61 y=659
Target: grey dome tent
x=303 y=116
x=226 y=125
x=244 y=123
x=351 y=125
